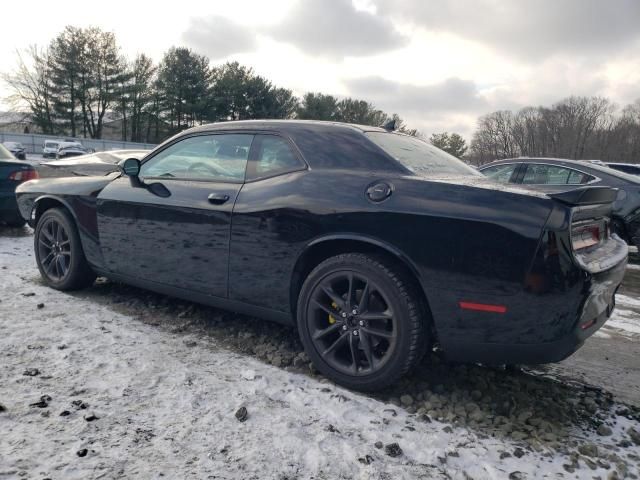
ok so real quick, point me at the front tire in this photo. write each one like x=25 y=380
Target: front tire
x=361 y=321
x=59 y=253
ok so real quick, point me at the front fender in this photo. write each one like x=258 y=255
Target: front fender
x=62 y=190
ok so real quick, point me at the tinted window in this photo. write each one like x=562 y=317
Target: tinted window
x=273 y=156
x=329 y=146
x=205 y=157
x=500 y=173
x=540 y=174
x=420 y=157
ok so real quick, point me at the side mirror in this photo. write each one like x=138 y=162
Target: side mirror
x=130 y=167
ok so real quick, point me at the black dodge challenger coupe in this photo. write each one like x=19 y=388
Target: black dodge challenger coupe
x=374 y=244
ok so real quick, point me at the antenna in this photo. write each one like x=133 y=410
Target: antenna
x=390 y=126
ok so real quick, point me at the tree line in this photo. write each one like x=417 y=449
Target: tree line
x=72 y=85
x=574 y=128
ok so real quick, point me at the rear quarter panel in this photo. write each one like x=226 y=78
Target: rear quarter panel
x=462 y=241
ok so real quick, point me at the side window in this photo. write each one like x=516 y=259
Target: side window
x=273 y=155
x=500 y=173
x=540 y=174
x=221 y=157
x=579 y=178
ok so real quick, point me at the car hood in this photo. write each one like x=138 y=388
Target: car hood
x=68 y=185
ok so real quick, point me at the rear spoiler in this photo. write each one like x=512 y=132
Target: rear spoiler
x=586 y=196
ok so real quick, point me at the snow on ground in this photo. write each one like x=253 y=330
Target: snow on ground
x=626 y=301
x=625 y=319
x=124 y=399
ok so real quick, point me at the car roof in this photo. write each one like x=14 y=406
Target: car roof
x=539 y=159
x=284 y=125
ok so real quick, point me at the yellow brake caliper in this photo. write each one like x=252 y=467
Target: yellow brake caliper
x=332 y=320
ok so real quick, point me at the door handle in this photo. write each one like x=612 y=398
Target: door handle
x=217 y=198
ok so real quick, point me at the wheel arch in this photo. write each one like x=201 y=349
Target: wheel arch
x=47 y=202
x=325 y=247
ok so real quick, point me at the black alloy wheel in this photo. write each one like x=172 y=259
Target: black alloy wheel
x=361 y=320
x=351 y=322
x=54 y=249
x=59 y=253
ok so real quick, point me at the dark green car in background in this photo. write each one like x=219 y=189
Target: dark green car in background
x=12 y=173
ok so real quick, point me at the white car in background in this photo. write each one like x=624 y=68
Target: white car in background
x=50 y=148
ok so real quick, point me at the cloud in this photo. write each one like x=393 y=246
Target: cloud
x=450 y=105
x=450 y=95
x=528 y=29
x=218 y=37
x=335 y=28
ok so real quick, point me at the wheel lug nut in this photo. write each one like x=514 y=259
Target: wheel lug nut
x=354 y=312
x=343 y=314
x=361 y=323
x=355 y=332
x=344 y=327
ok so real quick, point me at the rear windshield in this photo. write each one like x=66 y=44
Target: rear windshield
x=614 y=173
x=5 y=154
x=420 y=157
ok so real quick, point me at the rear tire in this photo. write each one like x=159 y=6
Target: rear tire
x=361 y=321
x=59 y=253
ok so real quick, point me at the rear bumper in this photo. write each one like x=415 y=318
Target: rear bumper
x=586 y=309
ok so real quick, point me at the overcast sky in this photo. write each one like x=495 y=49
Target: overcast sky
x=437 y=63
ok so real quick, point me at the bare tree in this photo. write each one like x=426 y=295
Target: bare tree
x=31 y=87
x=576 y=128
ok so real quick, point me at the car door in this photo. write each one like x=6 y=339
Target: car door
x=269 y=218
x=173 y=226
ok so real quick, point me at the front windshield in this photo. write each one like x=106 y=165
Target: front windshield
x=420 y=157
x=4 y=153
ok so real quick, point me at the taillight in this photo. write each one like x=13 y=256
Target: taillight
x=587 y=235
x=23 y=175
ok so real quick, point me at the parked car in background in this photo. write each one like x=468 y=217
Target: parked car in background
x=50 y=148
x=71 y=149
x=631 y=168
x=16 y=149
x=375 y=244
x=554 y=175
x=13 y=172
x=99 y=163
